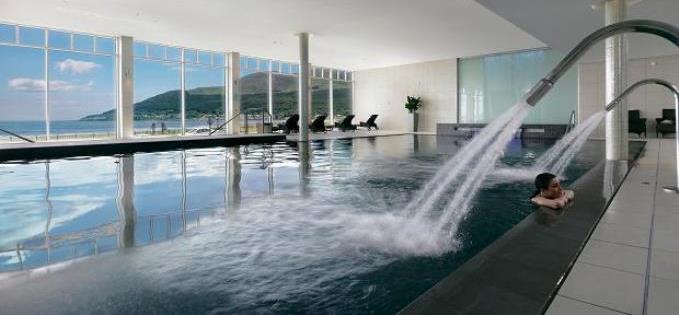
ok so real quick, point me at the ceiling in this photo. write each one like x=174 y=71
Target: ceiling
x=561 y=24
x=349 y=34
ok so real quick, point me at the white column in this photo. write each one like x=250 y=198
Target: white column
x=234 y=93
x=332 y=103
x=304 y=99
x=125 y=74
x=616 y=81
x=269 y=92
x=182 y=92
x=125 y=201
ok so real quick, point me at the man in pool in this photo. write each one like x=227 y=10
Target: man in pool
x=548 y=192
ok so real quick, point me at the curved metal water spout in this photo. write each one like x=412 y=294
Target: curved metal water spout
x=675 y=93
x=661 y=29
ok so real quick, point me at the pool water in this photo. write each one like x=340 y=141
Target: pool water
x=258 y=228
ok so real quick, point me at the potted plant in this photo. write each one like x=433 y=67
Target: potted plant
x=412 y=104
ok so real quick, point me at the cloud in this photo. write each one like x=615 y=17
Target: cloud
x=33 y=85
x=76 y=66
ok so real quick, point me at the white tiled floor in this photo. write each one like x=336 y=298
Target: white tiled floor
x=631 y=263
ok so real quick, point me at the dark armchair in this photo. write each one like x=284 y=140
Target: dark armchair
x=370 y=123
x=667 y=123
x=636 y=123
x=291 y=124
x=346 y=123
x=318 y=124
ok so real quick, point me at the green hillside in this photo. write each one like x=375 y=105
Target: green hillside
x=209 y=101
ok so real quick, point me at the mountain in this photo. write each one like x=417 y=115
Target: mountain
x=209 y=101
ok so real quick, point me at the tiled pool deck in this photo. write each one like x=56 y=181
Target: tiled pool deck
x=630 y=265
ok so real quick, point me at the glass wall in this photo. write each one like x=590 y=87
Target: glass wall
x=62 y=86
x=320 y=98
x=254 y=89
x=489 y=85
x=285 y=97
x=70 y=97
x=341 y=94
x=158 y=90
x=205 y=96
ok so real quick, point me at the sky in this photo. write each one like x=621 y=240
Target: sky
x=81 y=84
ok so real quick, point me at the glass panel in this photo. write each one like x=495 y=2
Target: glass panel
x=83 y=42
x=204 y=58
x=106 y=45
x=342 y=75
x=341 y=99
x=59 y=40
x=320 y=99
x=204 y=99
x=263 y=65
x=156 y=51
x=326 y=73
x=254 y=96
x=7 y=33
x=275 y=66
x=32 y=36
x=252 y=64
x=189 y=55
x=22 y=92
x=157 y=98
x=285 y=97
x=285 y=68
x=174 y=54
x=294 y=69
x=81 y=96
x=490 y=85
x=318 y=72
x=243 y=63
x=219 y=59
x=139 y=49
x=349 y=76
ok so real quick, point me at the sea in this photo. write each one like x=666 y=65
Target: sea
x=93 y=129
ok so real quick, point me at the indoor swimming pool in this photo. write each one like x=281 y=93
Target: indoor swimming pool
x=266 y=228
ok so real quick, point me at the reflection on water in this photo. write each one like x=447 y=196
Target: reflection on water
x=252 y=228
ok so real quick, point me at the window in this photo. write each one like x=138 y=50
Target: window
x=254 y=91
x=74 y=99
x=81 y=96
x=341 y=95
x=22 y=93
x=157 y=98
x=320 y=99
x=204 y=98
x=285 y=97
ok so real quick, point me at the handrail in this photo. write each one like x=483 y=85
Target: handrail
x=16 y=135
x=571 y=122
x=661 y=29
x=675 y=91
x=247 y=111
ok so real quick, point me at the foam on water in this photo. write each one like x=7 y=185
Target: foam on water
x=557 y=158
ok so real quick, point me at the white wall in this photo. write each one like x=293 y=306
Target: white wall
x=383 y=91
x=649 y=99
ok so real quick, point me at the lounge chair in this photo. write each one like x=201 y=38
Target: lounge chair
x=666 y=123
x=290 y=124
x=370 y=123
x=318 y=124
x=636 y=123
x=346 y=123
